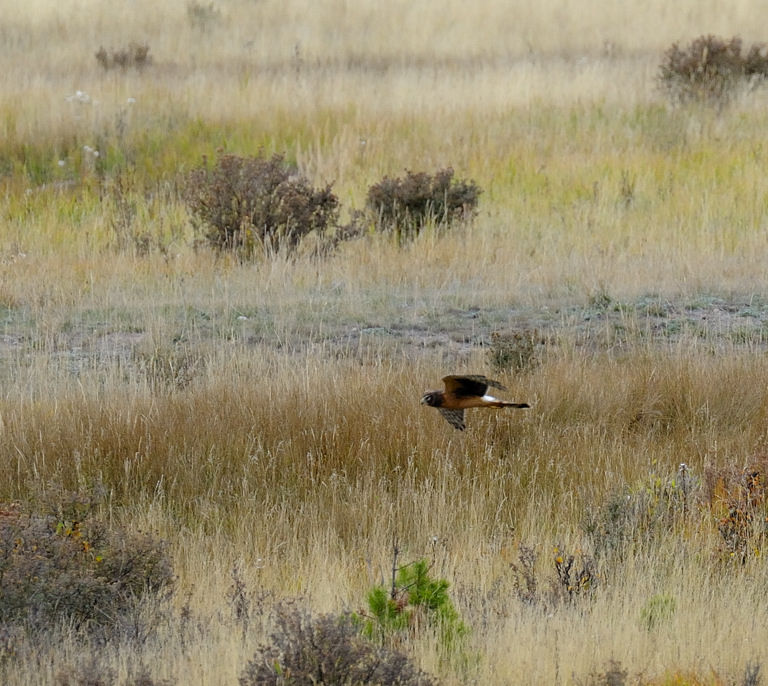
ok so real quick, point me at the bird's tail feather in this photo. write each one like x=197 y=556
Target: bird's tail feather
x=506 y=403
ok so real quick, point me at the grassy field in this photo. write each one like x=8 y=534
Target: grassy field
x=263 y=418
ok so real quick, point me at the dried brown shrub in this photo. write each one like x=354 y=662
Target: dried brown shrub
x=514 y=350
x=329 y=649
x=405 y=205
x=737 y=498
x=67 y=564
x=255 y=205
x=710 y=69
x=135 y=56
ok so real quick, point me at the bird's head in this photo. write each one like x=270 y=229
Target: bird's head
x=429 y=398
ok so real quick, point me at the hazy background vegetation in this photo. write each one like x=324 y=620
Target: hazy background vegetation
x=262 y=416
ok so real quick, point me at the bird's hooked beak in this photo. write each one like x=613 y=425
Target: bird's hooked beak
x=423 y=400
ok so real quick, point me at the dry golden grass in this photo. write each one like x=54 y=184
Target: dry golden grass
x=265 y=416
x=289 y=467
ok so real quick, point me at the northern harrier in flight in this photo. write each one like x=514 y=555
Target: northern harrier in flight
x=463 y=392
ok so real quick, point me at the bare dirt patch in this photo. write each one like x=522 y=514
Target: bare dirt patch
x=452 y=333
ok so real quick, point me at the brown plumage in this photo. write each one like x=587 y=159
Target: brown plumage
x=462 y=393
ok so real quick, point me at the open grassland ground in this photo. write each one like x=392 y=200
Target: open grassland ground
x=263 y=417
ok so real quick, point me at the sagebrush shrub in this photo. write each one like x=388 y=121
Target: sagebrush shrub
x=631 y=517
x=329 y=649
x=75 y=569
x=405 y=205
x=710 y=69
x=252 y=205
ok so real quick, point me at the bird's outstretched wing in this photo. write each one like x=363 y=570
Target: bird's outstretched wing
x=454 y=417
x=472 y=384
